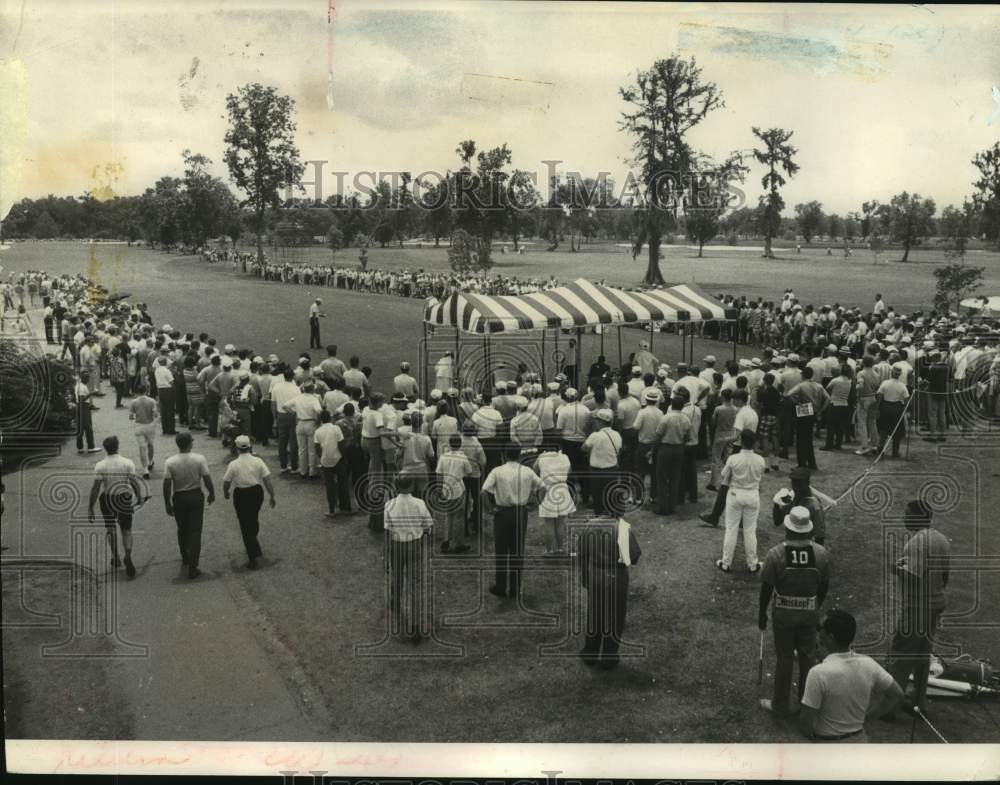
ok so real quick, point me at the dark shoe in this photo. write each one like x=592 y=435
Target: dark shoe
x=708 y=520
x=608 y=664
x=145 y=475
x=721 y=566
x=193 y=572
x=713 y=488
x=252 y=564
x=129 y=567
x=496 y=592
x=588 y=658
x=755 y=569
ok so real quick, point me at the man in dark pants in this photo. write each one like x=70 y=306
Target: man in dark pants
x=810 y=399
x=84 y=416
x=510 y=488
x=250 y=476
x=165 y=395
x=603 y=565
x=796 y=574
x=314 y=317
x=891 y=400
x=183 y=475
x=672 y=432
x=923 y=572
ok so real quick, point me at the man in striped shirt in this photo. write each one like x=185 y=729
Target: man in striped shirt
x=408 y=523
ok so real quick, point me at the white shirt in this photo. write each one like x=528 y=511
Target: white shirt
x=305 y=405
x=328 y=436
x=163 y=376
x=743 y=471
x=334 y=399
x=487 y=419
x=512 y=484
x=746 y=419
x=246 y=471
x=371 y=420
x=114 y=472
x=840 y=689
x=574 y=421
x=282 y=392
x=603 y=447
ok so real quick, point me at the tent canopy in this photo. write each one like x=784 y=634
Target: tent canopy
x=578 y=304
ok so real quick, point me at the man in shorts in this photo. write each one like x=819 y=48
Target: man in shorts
x=116 y=487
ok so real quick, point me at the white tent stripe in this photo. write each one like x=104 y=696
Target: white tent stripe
x=589 y=313
x=671 y=300
x=697 y=297
x=616 y=313
x=565 y=317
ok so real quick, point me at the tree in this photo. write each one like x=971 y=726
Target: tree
x=261 y=154
x=437 y=217
x=460 y=252
x=987 y=196
x=776 y=155
x=955 y=282
x=45 y=226
x=334 y=239
x=519 y=203
x=809 y=217
x=708 y=198
x=667 y=101
x=481 y=196
x=956 y=226
x=873 y=213
x=834 y=226
x=852 y=225
x=908 y=218
x=208 y=203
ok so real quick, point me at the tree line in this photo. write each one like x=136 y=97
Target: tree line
x=674 y=190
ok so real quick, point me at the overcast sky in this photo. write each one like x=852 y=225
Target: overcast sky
x=881 y=99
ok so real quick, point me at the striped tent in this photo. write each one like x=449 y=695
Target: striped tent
x=579 y=304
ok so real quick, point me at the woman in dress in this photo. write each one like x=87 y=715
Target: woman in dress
x=553 y=466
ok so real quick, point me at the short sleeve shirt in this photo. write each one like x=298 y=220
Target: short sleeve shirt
x=840 y=689
x=114 y=472
x=246 y=471
x=186 y=471
x=329 y=436
x=371 y=421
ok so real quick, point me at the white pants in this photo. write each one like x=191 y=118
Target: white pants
x=308 y=460
x=741 y=505
x=144 y=434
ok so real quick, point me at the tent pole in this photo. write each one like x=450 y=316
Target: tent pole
x=619 y=346
x=683 y=334
x=455 y=365
x=691 y=352
x=579 y=356
x=544 y=377
x=602 y=340
x=650 y=336
x=733 y=332
x=423 y=365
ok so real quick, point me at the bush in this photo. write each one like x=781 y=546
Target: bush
x=732 y=239
x=36 y=393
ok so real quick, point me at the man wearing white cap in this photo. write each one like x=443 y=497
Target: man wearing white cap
x=248 y=476
x=636 y=384
x=602 y=448
x=797 y=574
x=707 y=375
x=525 y=429
x=314 y=317
x=645 y=359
